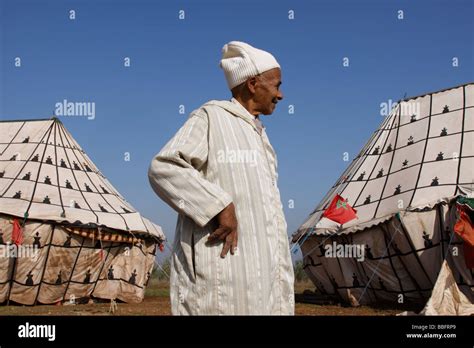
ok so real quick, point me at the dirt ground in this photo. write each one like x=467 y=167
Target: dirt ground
x=157 y=302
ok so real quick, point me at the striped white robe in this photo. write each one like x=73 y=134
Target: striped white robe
x=219 y=157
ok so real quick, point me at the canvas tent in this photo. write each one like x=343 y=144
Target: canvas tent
x=408 y=185
x=65 y=232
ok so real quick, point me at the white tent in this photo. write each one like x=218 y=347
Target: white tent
x=89 y=240
x=404 y=184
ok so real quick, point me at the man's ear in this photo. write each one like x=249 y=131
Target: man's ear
x=252 y=84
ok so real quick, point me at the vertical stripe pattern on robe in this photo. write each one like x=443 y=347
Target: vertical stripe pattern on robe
x=218 y=157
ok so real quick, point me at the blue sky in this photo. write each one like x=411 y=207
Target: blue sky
x=175 y=62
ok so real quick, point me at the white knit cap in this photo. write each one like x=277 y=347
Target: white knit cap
x=240 y=61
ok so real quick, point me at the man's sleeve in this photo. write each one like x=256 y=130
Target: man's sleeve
x=175 y=177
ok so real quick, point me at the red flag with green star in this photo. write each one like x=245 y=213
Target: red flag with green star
x=340 y=211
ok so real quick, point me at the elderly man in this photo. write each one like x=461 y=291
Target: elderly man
x=231 y=253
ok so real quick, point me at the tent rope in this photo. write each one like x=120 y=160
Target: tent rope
x=169 y=246
x=164 y=272
x=380 y=261
x=297 y=244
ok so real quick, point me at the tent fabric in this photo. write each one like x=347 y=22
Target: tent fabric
x=402 y=259
x=46 y=175
x=65 y=232
x=405 y=185
x=54 y=265
x=467 y=202
x=422 y=154
x=446 y=298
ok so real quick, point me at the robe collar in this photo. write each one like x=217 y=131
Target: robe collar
x=234 y=107
x=243 y=109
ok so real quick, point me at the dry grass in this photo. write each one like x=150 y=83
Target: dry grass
x=157 y=302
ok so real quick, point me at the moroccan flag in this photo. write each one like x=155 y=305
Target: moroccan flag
x=340 y=211
x=464 y=229
x=17 y=233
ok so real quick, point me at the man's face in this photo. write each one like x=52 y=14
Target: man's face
x=267 y=91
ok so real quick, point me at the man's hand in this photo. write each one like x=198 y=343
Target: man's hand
x=227 y=230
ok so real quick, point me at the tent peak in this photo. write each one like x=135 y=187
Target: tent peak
x=405 y=99
x=53 y=118
x=30 y=120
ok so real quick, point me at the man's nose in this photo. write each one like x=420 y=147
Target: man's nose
x=280 y=95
